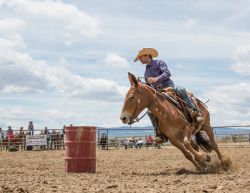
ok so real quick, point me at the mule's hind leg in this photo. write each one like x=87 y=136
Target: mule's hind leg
x=187 y=154
x=209 y=130
x=225 y=161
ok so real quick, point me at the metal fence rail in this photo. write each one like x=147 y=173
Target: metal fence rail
x=17 y=140
x=116 y=138
x=124 y=137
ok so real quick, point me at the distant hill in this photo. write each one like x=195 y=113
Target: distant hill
x=148 y=130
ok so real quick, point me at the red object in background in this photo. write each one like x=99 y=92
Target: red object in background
x=80 y=150
x=9 y=135
x=150 y=139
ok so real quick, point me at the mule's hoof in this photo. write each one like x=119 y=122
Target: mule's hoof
x=201 y=169
x=208 y=158
x=202 y=164
x=226 y=164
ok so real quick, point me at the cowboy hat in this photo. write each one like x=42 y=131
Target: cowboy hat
x=146 y=51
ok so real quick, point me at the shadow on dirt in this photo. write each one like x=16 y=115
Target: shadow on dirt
x=162 y=173
x=186 y=172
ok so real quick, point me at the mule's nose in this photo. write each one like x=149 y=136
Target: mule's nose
x=123 y=118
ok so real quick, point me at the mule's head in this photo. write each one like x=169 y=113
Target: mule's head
x=134 y=102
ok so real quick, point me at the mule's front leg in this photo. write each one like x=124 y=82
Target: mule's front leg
x=200 y=157
x=187 y=154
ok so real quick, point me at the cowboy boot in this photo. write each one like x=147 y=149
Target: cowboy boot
x=158 y=139
x=196 y=115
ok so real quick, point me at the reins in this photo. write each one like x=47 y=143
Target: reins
x=137 y=105
x=138 y=119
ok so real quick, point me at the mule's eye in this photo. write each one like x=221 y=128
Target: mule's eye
x=131 y=97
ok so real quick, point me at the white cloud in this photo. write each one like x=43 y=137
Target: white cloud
x=242 y=58
x=179 y=66
x=10 y=29
x=20 y=116
x=190 y=23
x=15 y=41
x=34 y=35
x=116 y=61
x=11 y=25
x=230 y=104
x=58 y=112
x=52 y=17
x=20 y=72
x=14 y=89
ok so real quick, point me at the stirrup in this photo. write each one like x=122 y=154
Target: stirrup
x=198 y=118
x=195 y=114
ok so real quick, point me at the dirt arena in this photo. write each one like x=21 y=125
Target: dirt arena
x=134 y=170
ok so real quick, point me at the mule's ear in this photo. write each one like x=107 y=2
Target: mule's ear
x=132 y=79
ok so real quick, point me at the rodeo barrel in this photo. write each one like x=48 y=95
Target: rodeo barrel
x=80 y=154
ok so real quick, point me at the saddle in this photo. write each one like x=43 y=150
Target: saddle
x=179 y=103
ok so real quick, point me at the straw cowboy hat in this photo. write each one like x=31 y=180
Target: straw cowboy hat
x=146 y=51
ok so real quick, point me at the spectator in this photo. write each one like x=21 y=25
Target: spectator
x=21 y=131
x=63 y=129
x=234 y=138
x=139 y=143
x=31 y=128
x=133 y=142
x=126 y=142
x=149 y=141
x=21 y=138
x=63 y=133
x=103 y=141
x=9 y=133
x=1 y=138
x=1 y=135
x=46 y=132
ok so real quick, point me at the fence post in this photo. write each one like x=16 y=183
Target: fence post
x=98 y=139
x=107 y=139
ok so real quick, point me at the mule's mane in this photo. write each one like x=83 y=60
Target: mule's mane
x=161 y=97
x=152 y=90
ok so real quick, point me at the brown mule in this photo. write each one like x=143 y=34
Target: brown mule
x=172 y=123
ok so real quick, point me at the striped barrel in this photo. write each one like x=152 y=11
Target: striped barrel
x=80 y=153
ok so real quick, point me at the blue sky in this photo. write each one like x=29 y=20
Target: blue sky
x=66 y=62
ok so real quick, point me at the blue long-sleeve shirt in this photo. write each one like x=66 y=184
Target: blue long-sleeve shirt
x=159 y=69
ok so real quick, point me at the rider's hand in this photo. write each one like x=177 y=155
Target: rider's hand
x=152 y=80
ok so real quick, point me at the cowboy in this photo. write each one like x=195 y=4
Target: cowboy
x=158 y=76
x=1 y=135
x=9 y=133
x=31 y=128
x=21 y=131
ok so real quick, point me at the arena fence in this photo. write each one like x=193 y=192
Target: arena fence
x=228 y=136
x=129 y=137
x=26 y=141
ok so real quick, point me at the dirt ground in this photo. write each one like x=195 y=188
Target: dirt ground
x=134 y=170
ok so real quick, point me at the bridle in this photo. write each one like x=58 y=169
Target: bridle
x=137 y=109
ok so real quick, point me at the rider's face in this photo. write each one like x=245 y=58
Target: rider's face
x=145 y=59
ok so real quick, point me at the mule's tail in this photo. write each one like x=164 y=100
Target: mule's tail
x=203 y=141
